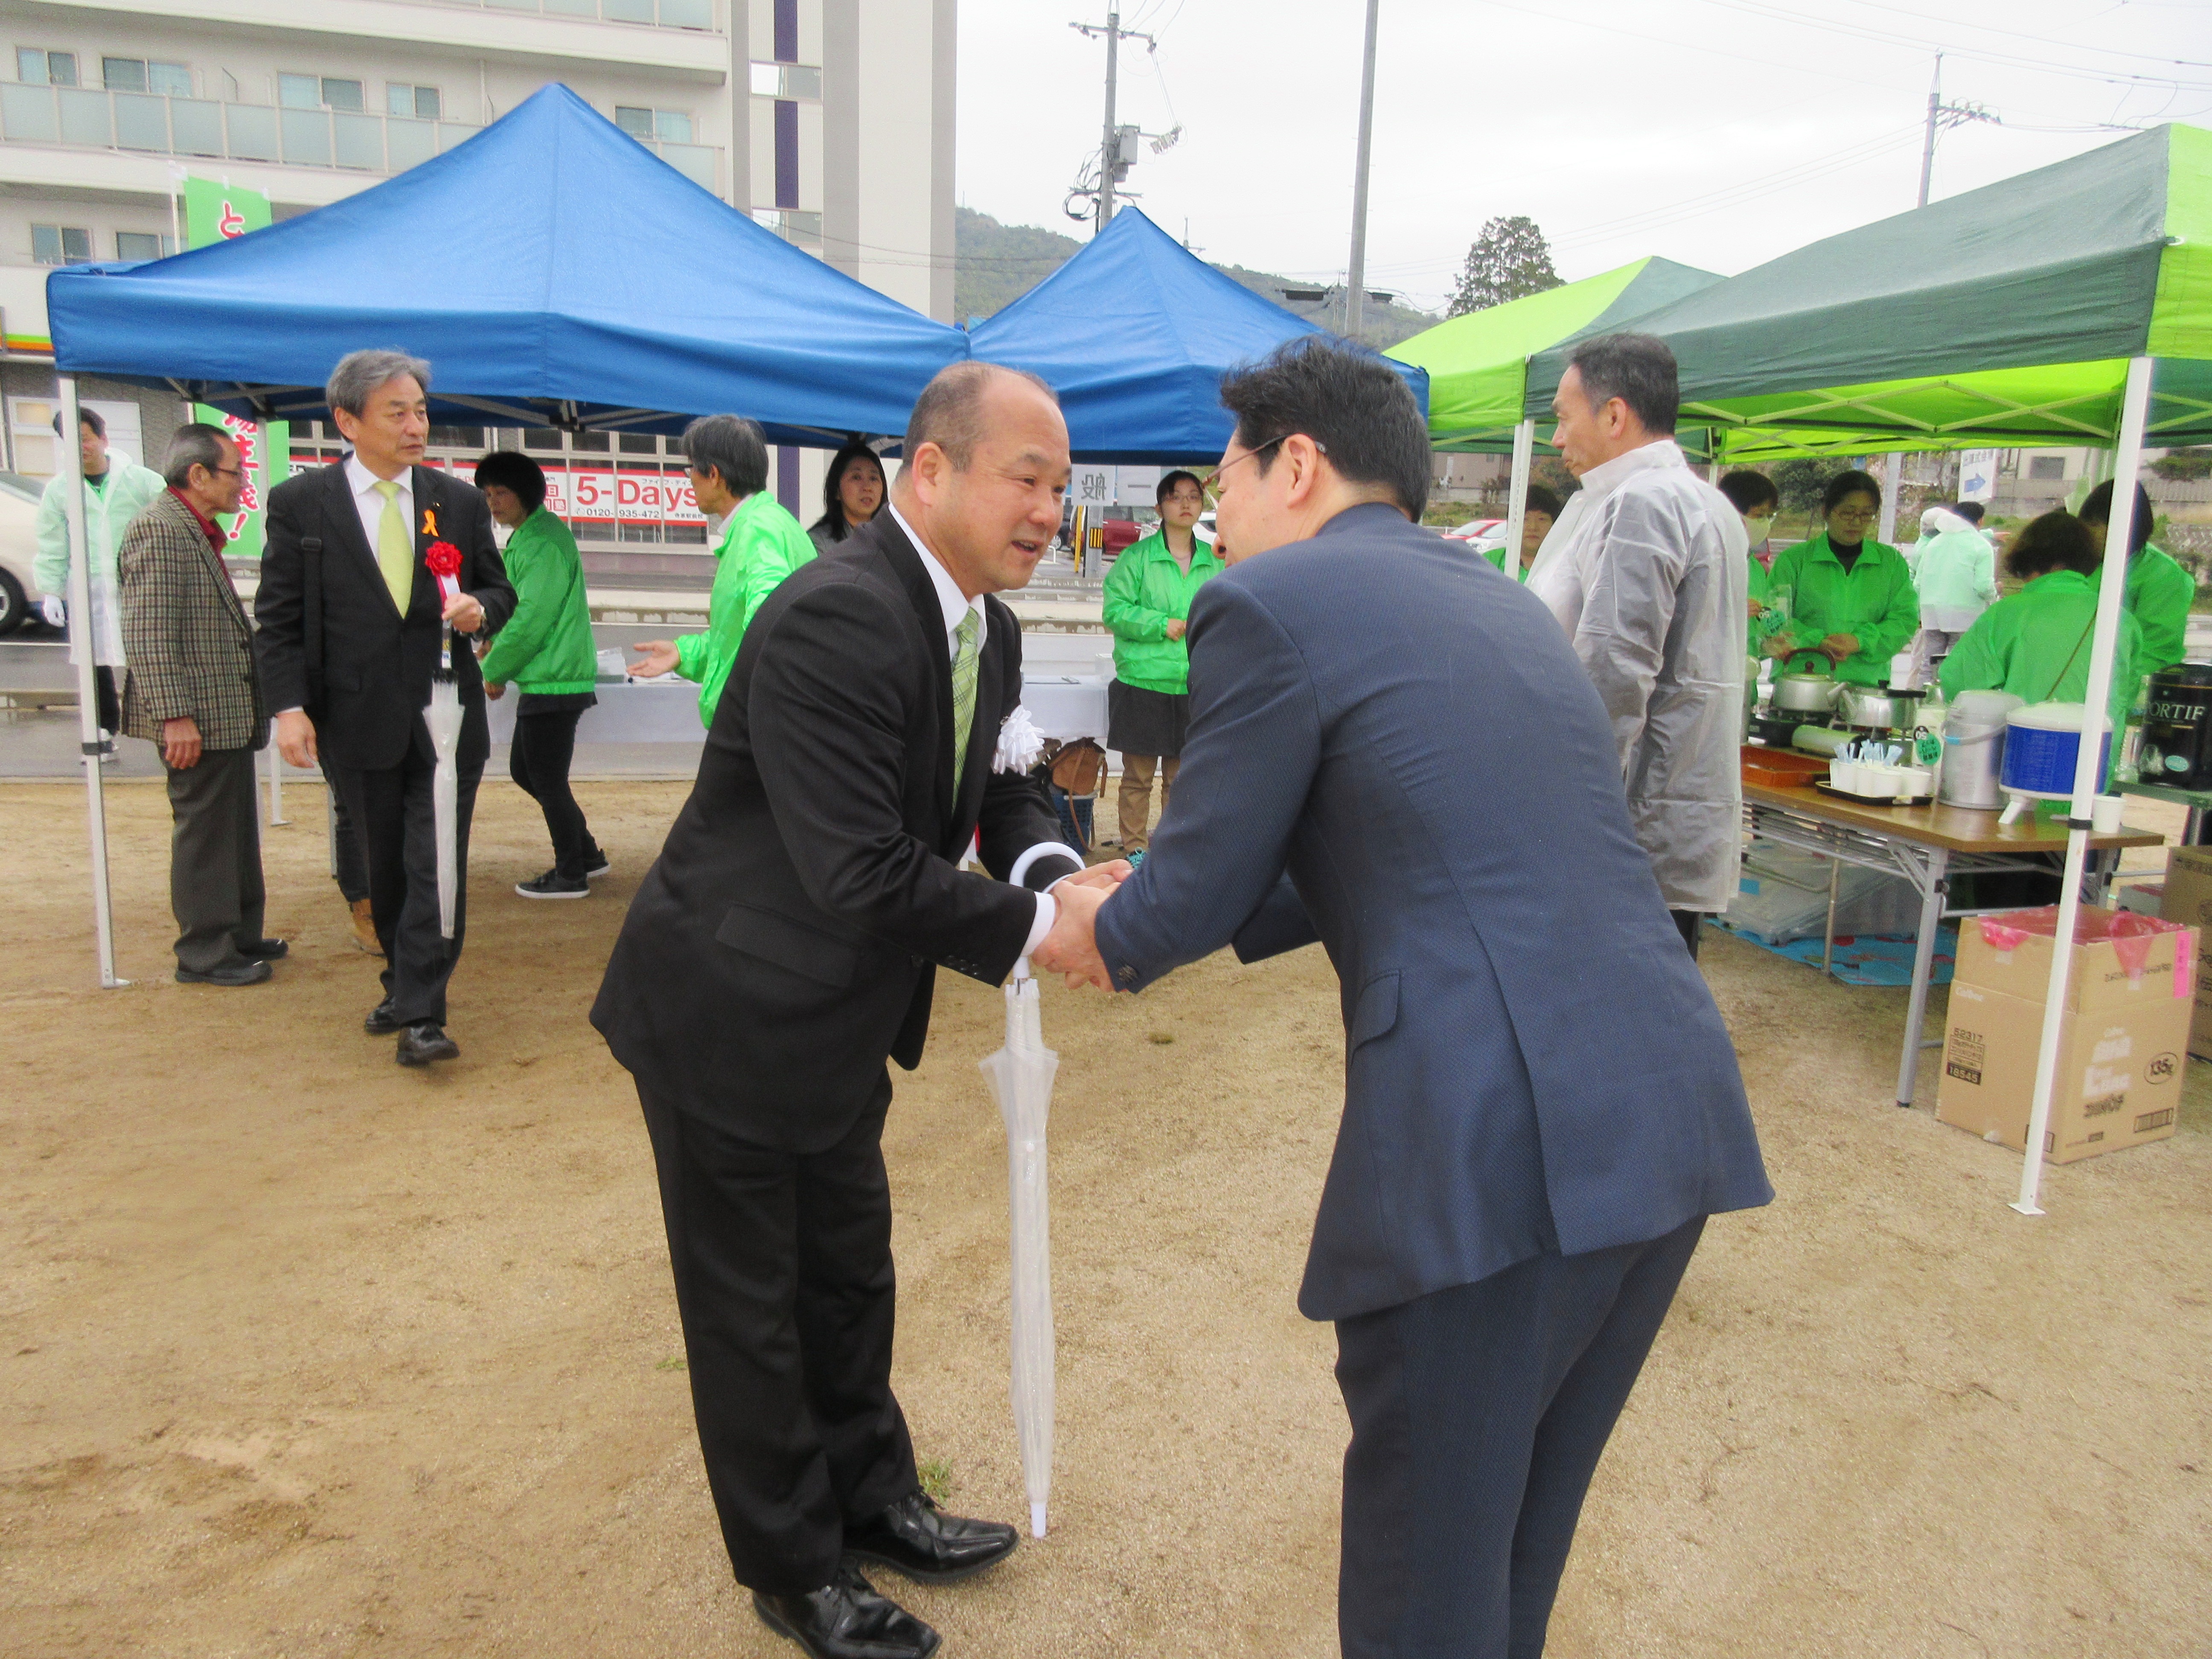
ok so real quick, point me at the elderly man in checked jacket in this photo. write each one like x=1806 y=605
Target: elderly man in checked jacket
x=191 y=687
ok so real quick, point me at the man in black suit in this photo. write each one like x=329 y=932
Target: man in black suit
x=784 y=946
x=347 y=634
x=1392 y=754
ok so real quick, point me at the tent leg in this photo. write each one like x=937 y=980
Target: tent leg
x=88 y=695
x=2127 y=461
x=1516 y=506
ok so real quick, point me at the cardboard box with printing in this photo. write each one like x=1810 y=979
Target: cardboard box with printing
x=2186 y=898
x=2124 y=1048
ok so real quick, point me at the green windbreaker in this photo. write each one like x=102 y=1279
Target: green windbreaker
x=1144 y=589
x=1873 y=601
x=2036 y=646
x=546 y=647
x=761 y=545
x=2159 y=594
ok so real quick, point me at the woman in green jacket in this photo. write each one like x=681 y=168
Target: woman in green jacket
x=2036 y=643
x=2159 y=593
x=1851 y=598
x=1756 y=499
x=1148 y=595
x=1540 y=511
x=546 y=650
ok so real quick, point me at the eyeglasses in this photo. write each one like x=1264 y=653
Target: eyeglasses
x=227 y=471
x=1212 y=482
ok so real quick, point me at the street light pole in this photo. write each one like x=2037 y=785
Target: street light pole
x=1355 y=299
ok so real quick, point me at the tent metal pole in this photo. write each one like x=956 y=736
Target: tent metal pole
x=2127 y=461
x=82 y=638
x=1516 y=506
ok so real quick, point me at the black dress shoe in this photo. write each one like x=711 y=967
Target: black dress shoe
x=847 y=1620
x=381 y=1021
x=426 y=1040
x=916 y=1538
x=264 y=950
x=242 y=972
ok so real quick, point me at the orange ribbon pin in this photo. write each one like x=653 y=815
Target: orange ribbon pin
x=430 y=521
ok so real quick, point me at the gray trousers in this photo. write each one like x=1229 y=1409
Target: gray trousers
x=215 y=859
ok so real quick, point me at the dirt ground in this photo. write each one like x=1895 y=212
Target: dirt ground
x=301 y=1354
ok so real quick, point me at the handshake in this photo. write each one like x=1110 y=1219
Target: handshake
x=1070 y=947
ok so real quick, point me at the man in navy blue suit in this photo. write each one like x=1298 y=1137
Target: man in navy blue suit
x=1394 y=750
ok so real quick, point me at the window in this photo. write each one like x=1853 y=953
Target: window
x=143 y=245
x=640 y=443
x=60 y=245
x=668 y=125
x=139 y=74
x=317 y=92
x=419 y=102
x=457 y=437
x=2046 y=466
x=45 y=68
x=790 y=223
x=591 y=443
x=786 y=81
x=541 y=437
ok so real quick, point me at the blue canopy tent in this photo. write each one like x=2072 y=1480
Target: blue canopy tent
x=553 y=270
x=1134 y=333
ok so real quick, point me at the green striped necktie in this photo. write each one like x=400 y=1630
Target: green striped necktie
x=964 y=694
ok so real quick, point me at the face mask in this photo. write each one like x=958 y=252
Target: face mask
x=1758 y=529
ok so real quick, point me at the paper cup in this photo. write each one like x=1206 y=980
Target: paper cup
x=1884 y=781
x=1917 y=778
x=1844 y=775
x=2105 y=813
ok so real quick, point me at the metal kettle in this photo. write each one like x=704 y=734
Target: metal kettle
x=1813 y=692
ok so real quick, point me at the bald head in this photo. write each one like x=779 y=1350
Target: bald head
x=954 y=410
x=985 y=471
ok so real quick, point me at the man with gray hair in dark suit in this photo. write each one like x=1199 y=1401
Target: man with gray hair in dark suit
x=1393 y=751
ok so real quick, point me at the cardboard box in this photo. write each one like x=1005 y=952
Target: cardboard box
x=2119 y=1073
x=2120 y=959
x=2187 y=898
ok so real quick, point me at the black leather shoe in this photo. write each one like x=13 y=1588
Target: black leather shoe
x=426 y=1040
x=244 y=972
x=916 y=1538
x=847 y=1620
x=264 y=950
x=381 y=1021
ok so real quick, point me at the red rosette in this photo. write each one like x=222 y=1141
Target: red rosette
x=444 y=560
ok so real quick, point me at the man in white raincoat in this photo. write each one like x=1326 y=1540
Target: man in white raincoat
x=1955 y=570
x=1646 y=572
x=116 y=490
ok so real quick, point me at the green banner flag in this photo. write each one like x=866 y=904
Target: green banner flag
x=215 y=212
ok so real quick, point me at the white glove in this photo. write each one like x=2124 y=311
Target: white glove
x=55 y=612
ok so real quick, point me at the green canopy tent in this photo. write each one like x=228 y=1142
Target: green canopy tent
x=1478 y=364
x=2071 y=305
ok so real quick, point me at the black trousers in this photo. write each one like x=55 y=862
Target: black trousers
x=392 y=813
x=352 y=872
x=106 y=703
x=1478 y=1417
x=215 y=859
x=785 y=1286
x=537 y=761
x=1690 y=924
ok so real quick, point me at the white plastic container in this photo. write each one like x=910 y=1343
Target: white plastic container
x=1915 y=782
x=2042 y=743
x=1974 y=749
x=1844 y=775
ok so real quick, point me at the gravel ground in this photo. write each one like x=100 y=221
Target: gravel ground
x=301 y=1354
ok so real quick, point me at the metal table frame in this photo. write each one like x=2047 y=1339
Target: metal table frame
x=1928 y=868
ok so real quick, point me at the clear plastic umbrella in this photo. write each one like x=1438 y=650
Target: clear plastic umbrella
x=1020 y=1075
x=443 y=715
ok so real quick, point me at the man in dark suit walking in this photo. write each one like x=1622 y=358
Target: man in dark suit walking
x=1392 y=752
x=784 y=946
x=190 y=687
x=348 y=625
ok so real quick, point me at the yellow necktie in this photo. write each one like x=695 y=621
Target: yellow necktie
x=963 y=696
x=395 y=547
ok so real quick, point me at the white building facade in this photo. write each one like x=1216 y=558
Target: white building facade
x=831 y=121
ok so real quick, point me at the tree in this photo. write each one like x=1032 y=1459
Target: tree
x=2183 y=466
x=1509 y=259
x=1803 y=482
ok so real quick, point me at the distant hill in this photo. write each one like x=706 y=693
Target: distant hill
x=994 y=265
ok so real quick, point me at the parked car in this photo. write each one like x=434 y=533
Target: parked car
x=18 y=546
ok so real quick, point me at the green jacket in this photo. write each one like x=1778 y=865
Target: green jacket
x=1143 y=590
x=1875 y=600
x=762 y=545
x=546 y=647
x=2036 y=646
x=109 y=508
x=1497 y=557
x=2159 y=594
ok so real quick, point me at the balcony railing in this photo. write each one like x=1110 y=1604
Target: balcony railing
x=149 y=124
x=667 y=13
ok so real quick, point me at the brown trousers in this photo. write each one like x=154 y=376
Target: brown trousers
x=1137 y=795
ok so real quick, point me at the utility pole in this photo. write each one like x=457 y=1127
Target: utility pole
x=1355 y=298
x=1110 y=164
x=1940 y=116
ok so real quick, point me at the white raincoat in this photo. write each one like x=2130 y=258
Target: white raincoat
x=108 y=512
x=1646 y=571
x=1954 y=571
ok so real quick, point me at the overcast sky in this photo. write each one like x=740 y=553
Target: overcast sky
x=1719 y=133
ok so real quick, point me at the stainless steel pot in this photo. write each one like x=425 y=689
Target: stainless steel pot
x=1806 y=693
x=1880 y=708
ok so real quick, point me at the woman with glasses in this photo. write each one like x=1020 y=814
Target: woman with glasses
x=851 y=496
x=1148 y=595
x=1851 y=598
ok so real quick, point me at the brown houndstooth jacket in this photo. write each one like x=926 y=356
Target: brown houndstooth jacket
x=185 y=636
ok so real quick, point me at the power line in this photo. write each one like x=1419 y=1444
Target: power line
x=2046 y=39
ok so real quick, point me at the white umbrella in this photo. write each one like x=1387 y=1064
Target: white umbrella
x=443 y=715
x=1020 y=1075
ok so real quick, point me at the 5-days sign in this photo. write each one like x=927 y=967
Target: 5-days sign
x=214 y=212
